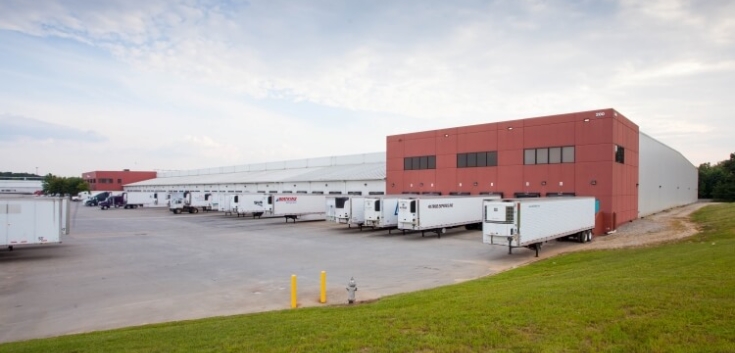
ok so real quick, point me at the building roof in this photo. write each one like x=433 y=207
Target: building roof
x=353 y=167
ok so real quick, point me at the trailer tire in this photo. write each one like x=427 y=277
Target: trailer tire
x=582 y=236
x=589 y=236
x=196 y=210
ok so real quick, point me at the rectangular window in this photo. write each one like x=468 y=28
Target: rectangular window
x=619 y=154
x=492 y=159
x=567 y=155
x=119 y=181
x=542 y=156
x=482 y=159
x=419 y=163
x=471 y=160
x=555 y=155
x=529 y=156
x=462 y=160
x=477 y=159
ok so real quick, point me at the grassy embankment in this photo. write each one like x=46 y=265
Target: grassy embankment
x=673 y=297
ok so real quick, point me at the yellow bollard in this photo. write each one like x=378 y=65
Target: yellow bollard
x=293 y=292
x=323 y=296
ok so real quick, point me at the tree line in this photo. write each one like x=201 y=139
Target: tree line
x=53 y=184
x=718 y=181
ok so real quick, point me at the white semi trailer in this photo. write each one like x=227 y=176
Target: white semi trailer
x=255 y=205
x=350 y=210
x=381 y=212
x=530 y=222
x=291 y=206
x=146 y=198
x=189 y=201
x=439 y=213
x=33 y=221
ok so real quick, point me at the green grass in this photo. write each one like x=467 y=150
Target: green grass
x=677 y=297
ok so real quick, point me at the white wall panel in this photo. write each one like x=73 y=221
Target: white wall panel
x=666 y=178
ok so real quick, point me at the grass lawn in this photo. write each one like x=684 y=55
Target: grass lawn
x=678 y=297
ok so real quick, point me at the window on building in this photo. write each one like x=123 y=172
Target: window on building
x=542 y=156
x=550 y=155
x=554 y=155
x=619 y=154
x=529 y=156
x=419 y=163
x=567 y=154
x=477 y=159
x=119 y=181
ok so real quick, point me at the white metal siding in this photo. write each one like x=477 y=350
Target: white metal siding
x=666 y=178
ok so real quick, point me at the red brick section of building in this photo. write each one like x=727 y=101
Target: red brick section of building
x=592 y=153
x=103 y=180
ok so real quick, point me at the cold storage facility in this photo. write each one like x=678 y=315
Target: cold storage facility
x=362 y=174
x=596 y=153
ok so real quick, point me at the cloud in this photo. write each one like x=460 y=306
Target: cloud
x=18 y=128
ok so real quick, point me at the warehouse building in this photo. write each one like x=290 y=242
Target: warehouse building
x=114 y=180
x=597 y=153
x=361 y=174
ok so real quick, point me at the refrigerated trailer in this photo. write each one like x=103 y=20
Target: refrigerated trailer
x=530 y=222
x=146 y=198
x=381 y=212
x=350 y=210
x=33 y=221
x=189 y=201
x=439 y=213
x=291 y=206
x=255 y=205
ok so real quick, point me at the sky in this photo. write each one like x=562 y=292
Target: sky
x=184 y=84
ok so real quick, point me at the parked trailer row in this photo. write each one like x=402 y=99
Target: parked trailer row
x=33 y=221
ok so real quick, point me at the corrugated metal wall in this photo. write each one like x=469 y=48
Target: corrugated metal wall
x=667 y=179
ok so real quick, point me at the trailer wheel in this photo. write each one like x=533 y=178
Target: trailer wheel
x=196 y=210
x=589 y=235
x=177 y=211
x=582 y=236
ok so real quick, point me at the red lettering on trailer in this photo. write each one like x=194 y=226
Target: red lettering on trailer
x=286 y=199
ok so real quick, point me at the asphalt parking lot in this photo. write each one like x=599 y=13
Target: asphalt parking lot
x=122 y=268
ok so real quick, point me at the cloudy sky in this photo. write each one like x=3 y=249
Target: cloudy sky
x=182 y=84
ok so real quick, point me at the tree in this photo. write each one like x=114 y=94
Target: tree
x=718 y=181
x=61 y=186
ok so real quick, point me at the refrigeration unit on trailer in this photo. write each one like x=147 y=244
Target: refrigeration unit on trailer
x=33 y=221
x=381 y=212
x=350 y=210
x=255 y=205
x=190 y=201
x=530 y=222
x=439 y=213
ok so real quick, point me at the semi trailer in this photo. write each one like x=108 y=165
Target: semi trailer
x=33 y=221
x=350 y=210
x=381 y=212
x=531 y=222
x=189 y=201
x=293 y=207
x=439 y=213
x=255 y=205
